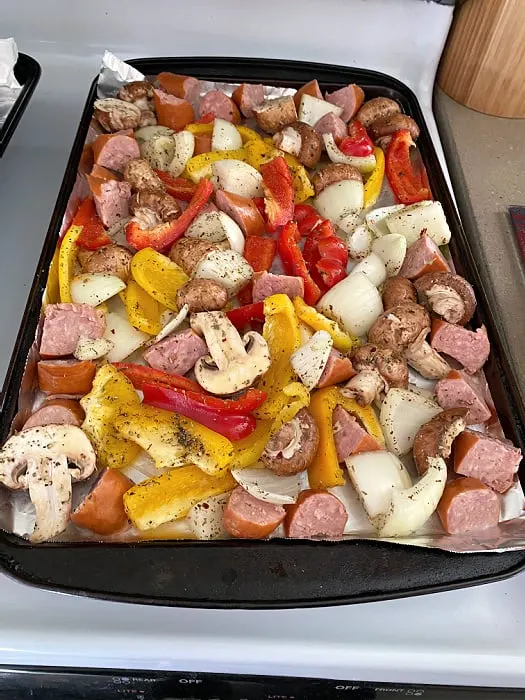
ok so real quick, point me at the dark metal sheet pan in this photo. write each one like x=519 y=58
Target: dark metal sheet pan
x=27 y=72
x=276 y=573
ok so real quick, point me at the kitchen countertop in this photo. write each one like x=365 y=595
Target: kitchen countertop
x=486 y=157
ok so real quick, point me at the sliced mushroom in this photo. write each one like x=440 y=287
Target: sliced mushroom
x=38 y=460
x=425 y=360
x=447 y=295
x=162 y=204
x=116 y=115
x=435 y=438
x=379 y=368
x=302 y=141
x=292 y=448
x=234 y=363
x=400 y=326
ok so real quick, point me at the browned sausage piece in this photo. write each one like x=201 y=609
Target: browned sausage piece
x=112 y=259
x=74 y=377
x=312 y=88
x=246 y=97
x=459 y=390
x=181 y=86
x=274 y=115
x=331 y=124
x=389 y=125
x=250 y=518
x=335 y=172
x=315 y=514
x=111 y=199
x=377 y=108
x=469 y=348
x=220 y=105
x=447 y=295
x=293 y=447
x=468 y=505
x=102 y=511
x=398 y=290
x=56 y=412
x=423 y=256
x=65 y=324
x=188 y=252
x=435 y=438
x=202 y=295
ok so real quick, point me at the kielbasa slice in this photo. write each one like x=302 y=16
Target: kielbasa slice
x=266 y=284
x=65 y=324
x=102 y=511
x=492 y=461
x=331 y=124
x=316 y=514
x=470 y=348
x=177 y=353
x=338 y=369
x=422 y=257
x=243 y=211
x=220 y=105
x=459 y=390
x=56 y=412
x=349 y=98
x=349 y=436
x=246 y=97
x=250 y=518
x=114 y=151
x=468 y=505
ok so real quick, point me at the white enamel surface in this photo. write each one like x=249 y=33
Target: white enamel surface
x=474 y=636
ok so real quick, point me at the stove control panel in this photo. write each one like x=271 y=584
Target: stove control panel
x=20 y=683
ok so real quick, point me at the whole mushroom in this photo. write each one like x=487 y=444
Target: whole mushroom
x=116 y=115
x=44 y=461
x=379 y=369
x=300 y=140
x=292 y=448
x=234 y=363
x=447 y=295
x=405 y=328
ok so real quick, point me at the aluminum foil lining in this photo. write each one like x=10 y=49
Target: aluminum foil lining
x=9 y=86
x=17 y=512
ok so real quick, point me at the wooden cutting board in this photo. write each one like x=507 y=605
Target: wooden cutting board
x=483 y=65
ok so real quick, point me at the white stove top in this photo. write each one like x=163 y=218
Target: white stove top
x=472 y=636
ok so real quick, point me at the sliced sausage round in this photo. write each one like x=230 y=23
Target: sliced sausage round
x=102 y=511
x=250 y=518
x=114 y=151
x=56 y=412
x=65 y=324
x=292 y=449
x=423 y=256
x=246 y=97
x=220 y=105
x=349 y=98
x=73 y=377
x=468 y=505
x=315 y=514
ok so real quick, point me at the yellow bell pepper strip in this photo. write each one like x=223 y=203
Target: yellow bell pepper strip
x=344 y=342
x=374 y=184
x=298 y=397
x=159 y=276
x=199 y=166
x=52 y=292
x=66 y=261
x=198 y=129
x=281 y=332
x=171 y=495
x=248 y=134
x=142 y=309
x=260 y=151
x=173 y=440
x=111 y=391
x=325 y=472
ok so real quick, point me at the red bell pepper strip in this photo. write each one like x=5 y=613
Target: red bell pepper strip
x=206 y=118
x=259 y=203
x=278 y=193
x=330 y=271
x=164 y=235
x=93 y=234
x=139 y=375
x=293 y=261
x=178 y=187
x=409 y=184
x=234 y=426
x=326 y=257
x=358 y=142
x=259 y=252
x=244 y=315
x=245 y=403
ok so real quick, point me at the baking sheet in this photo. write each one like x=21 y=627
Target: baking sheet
x=17 y=513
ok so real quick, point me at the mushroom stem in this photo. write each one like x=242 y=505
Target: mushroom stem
x=425 y=360
x=366 y=386
x=446 y=302
x=49 y=484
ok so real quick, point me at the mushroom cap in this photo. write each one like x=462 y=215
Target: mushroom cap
x=389 y=363
x=311 y=144
x=448 y=295
x=435 y=438
x=398 y=290
x=399 y=326
x=136 y=90
x=386 y=126
x=376 y=108
x=335 y=172
x=140 y=175
x=41 y=443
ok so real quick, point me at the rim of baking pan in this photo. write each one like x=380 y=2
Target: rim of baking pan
x=273 y=573
x=27 y=72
